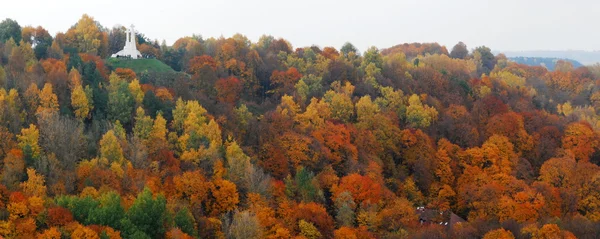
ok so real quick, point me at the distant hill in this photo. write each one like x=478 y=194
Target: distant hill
x=585 y=57
x=413 y=49
x=547 y=62
x=139 y=65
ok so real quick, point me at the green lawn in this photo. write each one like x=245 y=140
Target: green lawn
x=139 y=65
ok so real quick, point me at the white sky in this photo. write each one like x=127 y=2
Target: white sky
x=506 y=25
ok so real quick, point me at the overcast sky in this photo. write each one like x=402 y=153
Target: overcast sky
x=503 y=25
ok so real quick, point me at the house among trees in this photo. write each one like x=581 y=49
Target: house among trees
x=432 y=216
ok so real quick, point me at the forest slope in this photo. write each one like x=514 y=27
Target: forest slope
x=264 y=140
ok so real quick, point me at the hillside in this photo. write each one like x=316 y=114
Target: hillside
x=243 y=139
x=139 y=65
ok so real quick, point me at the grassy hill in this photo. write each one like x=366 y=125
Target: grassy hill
x=139 y=65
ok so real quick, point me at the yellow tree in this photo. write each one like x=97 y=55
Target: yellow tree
x=28 y=54
x=32 y=98
x=188 y=116
x=213 y=133
x=288 y=107
x=80 y=103
x=158 y=134
x=48 y=101
x=35 y=184
x=136 y=91
x=419 y=115
x=179 y=114
x=366 y=110
x=110 y=147
x=143 y=124
x=74 y=78
x=85 y=36
x=340 y=105
x=2 y=77
x=29 y=141
x=392 y=101
x=509 y=78
x=237 y=163
x=308 y=230
x=317 y=112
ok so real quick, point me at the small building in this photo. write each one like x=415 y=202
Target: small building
x=432 y=216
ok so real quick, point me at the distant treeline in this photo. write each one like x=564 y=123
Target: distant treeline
x=547 y=62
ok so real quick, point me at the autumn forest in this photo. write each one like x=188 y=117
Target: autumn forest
x=241 y=139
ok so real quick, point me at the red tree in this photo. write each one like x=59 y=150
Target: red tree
x=228 y=90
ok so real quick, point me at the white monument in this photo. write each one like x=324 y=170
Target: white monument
x=130 y=49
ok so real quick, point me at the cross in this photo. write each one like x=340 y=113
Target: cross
x=132 y=27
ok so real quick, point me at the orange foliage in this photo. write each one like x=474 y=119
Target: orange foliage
x=111 y=233
x=283 y=82
x=191 y=186
x=344 y=233
x=499 y=234
x=25 y=227
x=581 y=140
x=296 y=148
x=398 y=214
x=565 y=81
x=344 y=139
x=98 y=61
x=164 y=93
x=51 y=233
x=353 y=233
x=83 y=232
x=199 y=62
x=330 y=53
x=335 y=141
x=54 y=66
x=228 y=90
x=275 y=163
x=317 y=215
x=224 y=197
x=362 y=188
x=176 y=233
x=511 y=125
x=59 y=216
x=126 y=74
